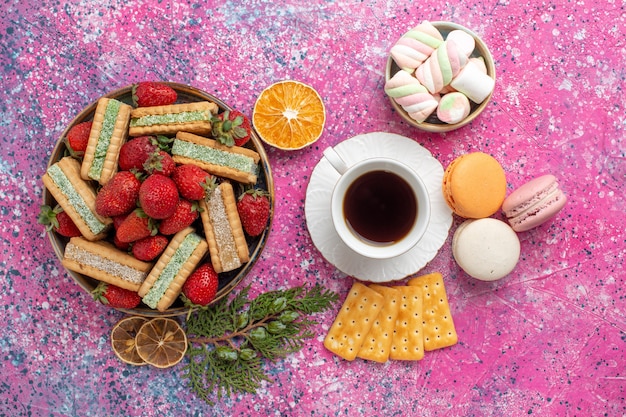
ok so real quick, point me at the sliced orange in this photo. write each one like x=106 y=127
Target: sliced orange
x=289 y=115
x=161 y=342
x=123 y=339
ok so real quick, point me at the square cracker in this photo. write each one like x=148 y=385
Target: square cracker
x=377 y=344
x=439 y=331
x=408 y=338
x=354 y=320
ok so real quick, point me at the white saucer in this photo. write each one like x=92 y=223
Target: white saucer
x=320 y=225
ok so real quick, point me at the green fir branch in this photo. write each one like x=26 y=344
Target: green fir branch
x=231 y=340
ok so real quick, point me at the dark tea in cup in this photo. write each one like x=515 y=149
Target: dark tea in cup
x=380 y=207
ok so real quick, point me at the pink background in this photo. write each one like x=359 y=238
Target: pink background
x=547 y=340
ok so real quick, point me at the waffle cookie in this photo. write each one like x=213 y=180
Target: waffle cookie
x=165 y=281
x=233 y=162
x=76 y=197
x=108 y=133
x=222 y=228
x=104 y=262
x=168 y=120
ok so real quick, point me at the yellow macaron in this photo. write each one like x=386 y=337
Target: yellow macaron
x=474 y=185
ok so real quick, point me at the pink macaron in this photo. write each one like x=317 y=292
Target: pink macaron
x=534 y=203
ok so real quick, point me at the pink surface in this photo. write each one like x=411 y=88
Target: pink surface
x=547 y=340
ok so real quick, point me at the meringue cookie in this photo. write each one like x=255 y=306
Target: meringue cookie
x=413 y=97
x=415 y=46
x=441 y=67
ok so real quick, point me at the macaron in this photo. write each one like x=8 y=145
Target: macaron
x=474 y=185
x=534 y=203
x=486 y=249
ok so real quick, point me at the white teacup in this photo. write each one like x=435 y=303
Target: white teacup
x=380 y=207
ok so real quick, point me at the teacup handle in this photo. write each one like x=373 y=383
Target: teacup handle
x=335 y=160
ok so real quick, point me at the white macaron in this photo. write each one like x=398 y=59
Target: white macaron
x=486 y=249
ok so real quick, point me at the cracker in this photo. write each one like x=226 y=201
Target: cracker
x=354 y=320
x=408 y=340
x=219 y=164
x=118 y=129
x=223 y=230
x=377 y=344
x=104 y=262
x=201 y=127
x=84 y=201
x=439 y=330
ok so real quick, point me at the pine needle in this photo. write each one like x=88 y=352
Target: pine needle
x=231 y=340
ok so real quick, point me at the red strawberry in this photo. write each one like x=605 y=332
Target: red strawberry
x=192 y=181
x=135 y=226
x=58 y=220
x=158 y=196
x=160 y=162
x=117 y=220
x=148 y=248
x=150 y=93
x=119 y=195
x=201 y=286
x=254 y=211
x=115 y=296
x=124 y=246
x=185 y=214
x=134 y=153
x=78 y=137
x=231 y=128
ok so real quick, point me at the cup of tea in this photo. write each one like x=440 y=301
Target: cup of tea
x=380 y=207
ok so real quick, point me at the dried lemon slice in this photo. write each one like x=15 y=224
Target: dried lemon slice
x=161 y=342
x=123 y=339
x=289 y=115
